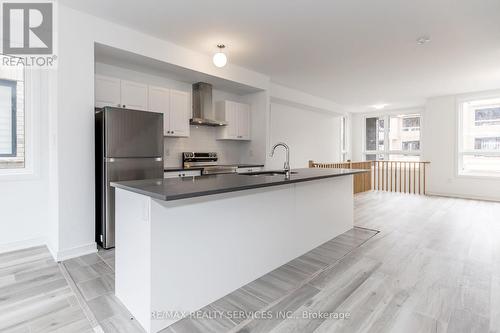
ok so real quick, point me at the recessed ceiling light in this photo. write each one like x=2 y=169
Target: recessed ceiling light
x=220 y=58
x=423 y=40
x=379 y=106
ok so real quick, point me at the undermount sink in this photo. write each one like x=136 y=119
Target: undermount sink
x=267 y=173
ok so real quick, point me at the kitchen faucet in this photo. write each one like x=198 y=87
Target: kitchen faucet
x=286 y=166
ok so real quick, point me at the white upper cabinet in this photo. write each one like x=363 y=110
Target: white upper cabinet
x=107 y=91
x=134 y=95
x=237 y=116
x=159 y=101
x=179 y=113
x=244 y=121
x=174 y=105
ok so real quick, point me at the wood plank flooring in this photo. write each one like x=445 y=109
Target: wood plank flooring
x=35 y=296
x=434 y=267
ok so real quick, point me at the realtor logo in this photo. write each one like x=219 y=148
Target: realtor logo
x=27 y=28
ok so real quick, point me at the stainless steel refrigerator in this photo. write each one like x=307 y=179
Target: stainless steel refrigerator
x=129 y=146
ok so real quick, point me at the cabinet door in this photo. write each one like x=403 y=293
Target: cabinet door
x=159 y=101
x=134 y=95
x=179 y=113
x=243 y=121
x=232 y=120
x=106 y=91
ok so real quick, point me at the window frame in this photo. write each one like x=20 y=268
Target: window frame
x=387 y=152
x=460 y=151
x=13 y=86
x=35 y=80
x=344 y=138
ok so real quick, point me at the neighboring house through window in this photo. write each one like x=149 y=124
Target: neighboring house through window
x=12 y=117
x=479 y=137
x=392 y=137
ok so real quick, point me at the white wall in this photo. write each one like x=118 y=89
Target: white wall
x=440 y=139
x=310 y=135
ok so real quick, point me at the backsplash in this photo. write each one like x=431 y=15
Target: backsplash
x=202 y=139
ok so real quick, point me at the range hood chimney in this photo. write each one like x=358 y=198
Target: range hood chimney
x=203 y=111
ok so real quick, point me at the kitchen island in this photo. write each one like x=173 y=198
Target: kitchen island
x=183 y=243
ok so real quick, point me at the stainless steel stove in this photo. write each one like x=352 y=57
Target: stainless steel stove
x=207 y=161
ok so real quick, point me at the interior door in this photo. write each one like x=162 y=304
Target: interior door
x=179 y=113
x=134 y=95
x=106 y=91
x=159 y=101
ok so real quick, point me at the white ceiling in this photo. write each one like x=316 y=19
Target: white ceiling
x=354 y=52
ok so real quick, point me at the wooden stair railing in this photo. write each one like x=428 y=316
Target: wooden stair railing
x=362 y=182
x=400 y=176
x=389 y=176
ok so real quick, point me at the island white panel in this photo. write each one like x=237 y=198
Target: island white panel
x=133 y=254
x=201 y=249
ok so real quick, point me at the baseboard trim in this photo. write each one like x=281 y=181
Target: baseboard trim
x=24 y=244
x=461 y=196
x=75 y=252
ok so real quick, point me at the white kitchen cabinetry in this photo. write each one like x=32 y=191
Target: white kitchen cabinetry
x=134 y=95
x=182 y=173
x=237 y=116
x=174 y=105
x=179 y=113
x=110 y=91
x=107 y=91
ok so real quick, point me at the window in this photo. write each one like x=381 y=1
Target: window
x=479 y=137
x=12 y=136
x=399 y=141
x=343 y=139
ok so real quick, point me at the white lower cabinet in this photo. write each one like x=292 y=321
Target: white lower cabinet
x=182 y=173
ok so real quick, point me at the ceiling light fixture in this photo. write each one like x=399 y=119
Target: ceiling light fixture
x=220 y=58
x=379 y=106
x=423 y=40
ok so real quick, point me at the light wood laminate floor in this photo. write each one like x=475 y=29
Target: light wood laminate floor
x=434 y=267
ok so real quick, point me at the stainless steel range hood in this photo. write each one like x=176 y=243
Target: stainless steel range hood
x=203 y=110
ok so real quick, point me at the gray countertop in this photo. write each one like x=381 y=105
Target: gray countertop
x=190 y=187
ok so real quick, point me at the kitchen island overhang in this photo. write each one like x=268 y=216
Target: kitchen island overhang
x=181 y=244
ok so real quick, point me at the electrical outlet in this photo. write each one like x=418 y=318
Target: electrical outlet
x=167 y=152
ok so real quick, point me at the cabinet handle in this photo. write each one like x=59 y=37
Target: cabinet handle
x=124 y=106
x=172 y=132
